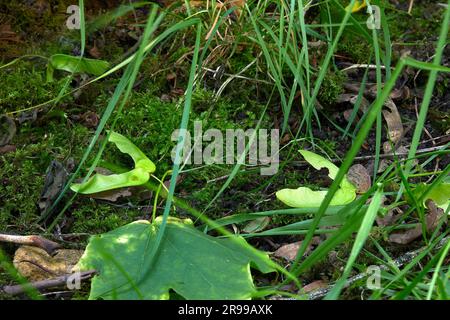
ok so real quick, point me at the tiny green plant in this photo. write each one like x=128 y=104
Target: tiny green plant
x=144 y=167
x=75 y=65
x=304 y=197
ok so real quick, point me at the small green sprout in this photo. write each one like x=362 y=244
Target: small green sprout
x=143 y=168
x=304 y=197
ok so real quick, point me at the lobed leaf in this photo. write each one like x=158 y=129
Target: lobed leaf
x=193 y=264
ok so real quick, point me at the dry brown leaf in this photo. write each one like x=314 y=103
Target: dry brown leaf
x=359 y=177
x=289 y=251
x=35 y=264
x=394 y=124
x=7 y=129
x=313 y=286
x=432 y=220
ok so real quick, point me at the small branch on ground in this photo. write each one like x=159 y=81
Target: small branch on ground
x=35 y=241
x=46 y=284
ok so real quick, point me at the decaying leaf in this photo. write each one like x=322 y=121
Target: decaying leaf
x=353 y=99
x=313 y=286
x=394 y=124
x=7 y=130
x=289 y=251
x=55 y=180
x=35 y=264
x=359 y=177
x=432 y=220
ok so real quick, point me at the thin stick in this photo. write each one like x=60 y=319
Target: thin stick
x=36 y=241
x=46 y=284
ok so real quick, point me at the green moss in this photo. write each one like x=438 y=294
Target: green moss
x=357 y=49
x=24 y=85
x=332 y=87
x=95 y=218
x=23 y=172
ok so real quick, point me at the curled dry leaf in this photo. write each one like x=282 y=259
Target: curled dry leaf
x=55 y=180
x=90 y=119
x=359 y=177
x=394 y=124
x=353 y=98
x=289 y=251
x=35 y=264
x=390 y=217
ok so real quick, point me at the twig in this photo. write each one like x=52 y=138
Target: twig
x=46 y=284
x=36 y=241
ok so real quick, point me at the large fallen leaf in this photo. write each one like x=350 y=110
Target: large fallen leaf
x=75 y=64
x=359 y=177
x=304 y=197
x=138 y=176
x=193 y=264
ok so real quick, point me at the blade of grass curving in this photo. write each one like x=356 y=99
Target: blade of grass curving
x=125 y=86
x=114 y=100
x=159 y=38
x=437 y=270
x=363 y=233
x=180 y=145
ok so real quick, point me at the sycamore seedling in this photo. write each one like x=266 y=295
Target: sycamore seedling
x=304 y=197
x=143 y=168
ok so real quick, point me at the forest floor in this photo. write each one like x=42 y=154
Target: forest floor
x=43 y=138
